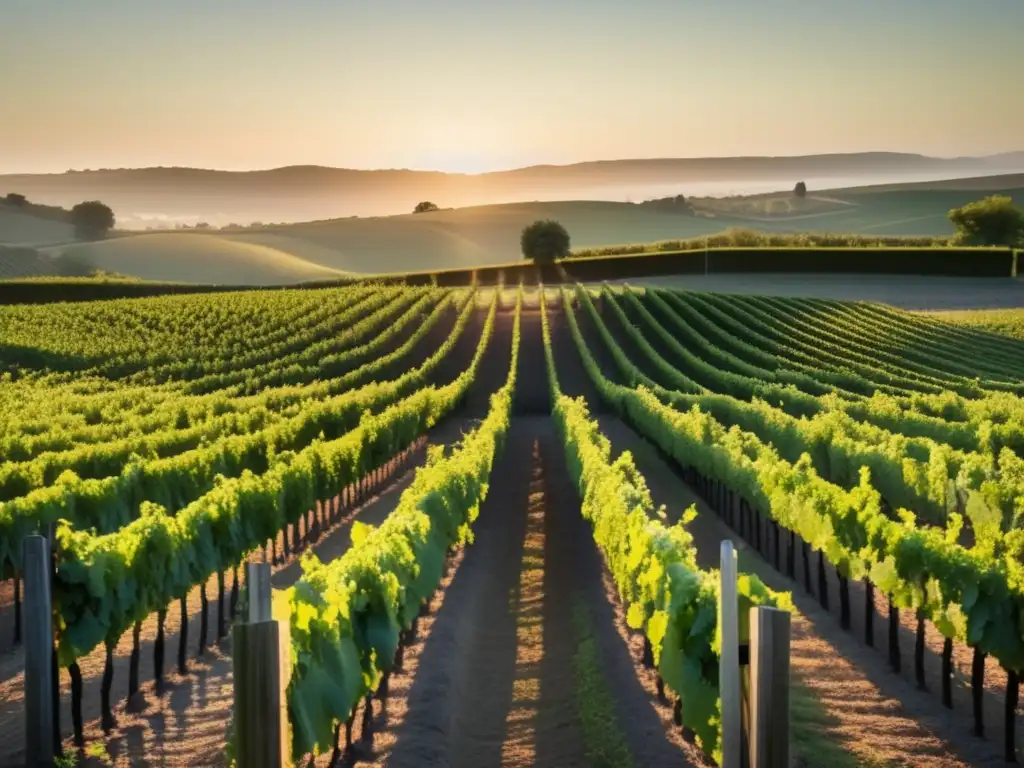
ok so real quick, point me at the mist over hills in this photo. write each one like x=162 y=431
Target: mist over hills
x=160 y=195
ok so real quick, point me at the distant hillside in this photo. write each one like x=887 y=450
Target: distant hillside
x=195 y=258
x=975 y=183
x=302 y=193
x=489 y=234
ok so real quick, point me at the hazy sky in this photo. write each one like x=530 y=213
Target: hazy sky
x=471 y=85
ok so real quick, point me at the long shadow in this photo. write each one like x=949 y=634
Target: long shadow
x=572 y=377
x=571 y=547
x=458 y=700
x=16 y=358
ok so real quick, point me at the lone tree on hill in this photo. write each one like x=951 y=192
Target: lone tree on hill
x=92 y=220
x=15 y=200
x=425 y=207
x=544 y=241
x=992 y=221
x=800 y=190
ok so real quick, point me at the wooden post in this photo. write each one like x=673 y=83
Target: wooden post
x=260 y=707
x=729 y=660
x=261 y=674
x=257 y=581
x=769 y=684
x=38 y=652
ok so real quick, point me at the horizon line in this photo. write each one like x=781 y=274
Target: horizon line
x=536 y=166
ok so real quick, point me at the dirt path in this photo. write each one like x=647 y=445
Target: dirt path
x=877 y=716
x=496 y=679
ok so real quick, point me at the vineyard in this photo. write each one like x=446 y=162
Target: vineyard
x=493 y=518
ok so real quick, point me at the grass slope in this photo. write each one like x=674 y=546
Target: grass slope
x=18 y=228
x=910 y=209
x=478 y=235
x=197 y=258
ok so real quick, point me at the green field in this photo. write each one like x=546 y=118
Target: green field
x=489 y=234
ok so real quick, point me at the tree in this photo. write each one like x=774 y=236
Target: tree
x=544 y=241
x=425 y=207
x=800 y=190
x=92 y=220
x=15 y=200
x=992 y=221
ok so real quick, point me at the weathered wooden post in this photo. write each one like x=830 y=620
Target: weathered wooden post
x=729 y=661
x=260 y=679
x=769 y=687
x=257 y=581
x=39 y=706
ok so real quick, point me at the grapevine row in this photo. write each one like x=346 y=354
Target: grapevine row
x=654 y=567
x=347 y=620
x=967 y=594
x=920 y=474
x=111 y=502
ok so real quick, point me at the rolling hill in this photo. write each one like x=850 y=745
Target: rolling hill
x=196 y=258
x=489 y=234
x=301 y=193
x=17 y=228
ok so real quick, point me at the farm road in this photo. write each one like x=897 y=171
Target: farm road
x=904 y=291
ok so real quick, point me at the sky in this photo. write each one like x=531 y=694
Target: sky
x=472 y=86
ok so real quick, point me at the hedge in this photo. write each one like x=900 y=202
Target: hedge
x=56 y=290
x=959 y=262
